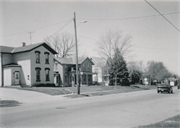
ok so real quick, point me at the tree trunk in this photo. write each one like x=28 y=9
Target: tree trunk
x=116 y=80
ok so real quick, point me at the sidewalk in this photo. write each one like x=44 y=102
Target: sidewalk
x=24 y=96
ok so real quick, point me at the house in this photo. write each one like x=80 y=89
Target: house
x=99 y=63
x=105 y=72
x=65 y=71
x=26 y=65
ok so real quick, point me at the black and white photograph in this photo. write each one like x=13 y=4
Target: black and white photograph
x=89 y=64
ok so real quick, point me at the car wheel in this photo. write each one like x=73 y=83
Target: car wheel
x=170 y=91
x=157 y=91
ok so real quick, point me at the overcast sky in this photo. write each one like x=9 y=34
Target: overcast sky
x=153 y=38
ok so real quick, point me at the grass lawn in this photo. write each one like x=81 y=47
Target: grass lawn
x=87 y=90
x=48 y=90
x=105 y=90
x=173 y=122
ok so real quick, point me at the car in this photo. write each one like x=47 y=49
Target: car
x=164 y=87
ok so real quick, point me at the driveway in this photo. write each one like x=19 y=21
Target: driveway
x=24 y=96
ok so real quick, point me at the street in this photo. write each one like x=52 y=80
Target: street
x=116 y=110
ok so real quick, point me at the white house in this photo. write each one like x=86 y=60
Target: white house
x=26 y=65
x=98 y=66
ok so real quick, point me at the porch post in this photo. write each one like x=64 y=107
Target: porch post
x=86 y=79
x=81 y=75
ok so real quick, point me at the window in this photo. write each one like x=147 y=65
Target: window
x=65 y=68
x=37 y=56
x=84 y=78
x=38 y=74
x=47 y=73
x=17 y=76
x=88 y=66
x=56 y=66
x=46 y=57
x=66 y=78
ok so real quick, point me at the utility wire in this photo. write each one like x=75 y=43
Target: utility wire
x=162 y=15
x=34 y=29
x=129 y=18
x=60 y=28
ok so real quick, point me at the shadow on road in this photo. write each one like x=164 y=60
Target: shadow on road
x=9 y=103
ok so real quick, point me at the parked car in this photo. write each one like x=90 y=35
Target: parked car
x=164 y=87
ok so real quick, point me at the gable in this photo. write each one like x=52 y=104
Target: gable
x=87 y=60
x=99 y=62
x=32 y=47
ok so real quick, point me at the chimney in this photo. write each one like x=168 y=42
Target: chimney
x=23 y=44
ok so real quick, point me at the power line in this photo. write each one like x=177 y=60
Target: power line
x=87 y=37
x=60 y=28
x=162 y=16
x=138 y=17
x=35 y=29
x=128 y=18
x=156 y=49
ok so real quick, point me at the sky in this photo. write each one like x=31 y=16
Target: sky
x=153 y=37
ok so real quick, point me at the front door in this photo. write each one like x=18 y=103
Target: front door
x=17 y=78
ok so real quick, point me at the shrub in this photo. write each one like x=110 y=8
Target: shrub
x=43 y=85
x=125 y=82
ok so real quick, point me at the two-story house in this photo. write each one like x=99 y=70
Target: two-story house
x=65 y=71
x=27 y=65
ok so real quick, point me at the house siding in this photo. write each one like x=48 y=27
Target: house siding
x=7 y=59
x=59 y=68
x=7 y=77
x=98 y=70
x=42 y=65
x=1 y=73
x=23 y=59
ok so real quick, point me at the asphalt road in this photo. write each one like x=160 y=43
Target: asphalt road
x=117 y=110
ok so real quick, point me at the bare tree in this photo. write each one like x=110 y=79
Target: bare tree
x=63 y=44
x=112 y=40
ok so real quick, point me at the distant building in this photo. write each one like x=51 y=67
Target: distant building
x=105 y=72
x=65 y=71
x=99 y=63
x=26 y=65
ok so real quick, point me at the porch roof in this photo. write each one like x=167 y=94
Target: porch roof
x=89 y=73
x=71 y=60
x=11 y=65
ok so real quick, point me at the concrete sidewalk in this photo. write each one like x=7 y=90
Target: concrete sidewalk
x=24 y=96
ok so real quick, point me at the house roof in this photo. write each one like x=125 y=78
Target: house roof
x=171 y=79
x=64 y=60
x=99 y=61
x=12 y=65
x=5 y=49
x=71 y=60
x=26 y=48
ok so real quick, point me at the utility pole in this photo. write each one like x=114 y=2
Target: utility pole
x=77 y=75
x=2 y=73
x=30 y=36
